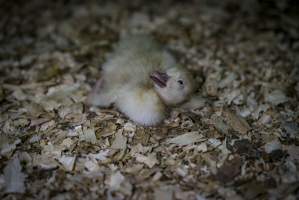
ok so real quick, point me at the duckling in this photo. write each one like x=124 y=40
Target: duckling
x=142 y=80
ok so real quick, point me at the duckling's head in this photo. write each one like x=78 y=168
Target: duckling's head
x=174 y=85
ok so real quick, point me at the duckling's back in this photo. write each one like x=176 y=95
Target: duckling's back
x=134 y=58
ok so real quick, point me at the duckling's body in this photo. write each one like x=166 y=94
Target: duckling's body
x=142 y=105
x=135 y=79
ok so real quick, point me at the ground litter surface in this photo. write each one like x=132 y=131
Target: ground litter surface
x=237 y=138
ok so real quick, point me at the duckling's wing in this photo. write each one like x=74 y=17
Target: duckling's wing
x=101 y=95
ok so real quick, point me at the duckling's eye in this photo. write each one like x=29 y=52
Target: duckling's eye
x=181 y=82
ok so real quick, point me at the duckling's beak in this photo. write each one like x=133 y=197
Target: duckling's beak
x=160 y=78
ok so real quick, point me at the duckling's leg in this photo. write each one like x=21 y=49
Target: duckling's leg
x=100 y=95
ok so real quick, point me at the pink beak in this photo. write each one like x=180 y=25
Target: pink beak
x=160 y=78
